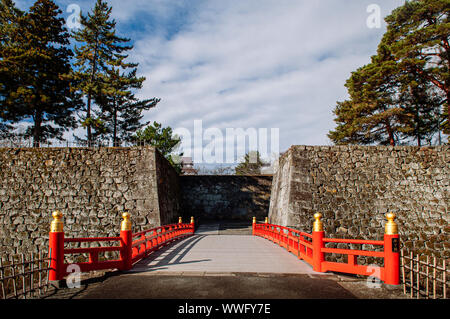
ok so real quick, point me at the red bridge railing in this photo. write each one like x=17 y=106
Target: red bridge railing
x=131 y=247
x=312 y=249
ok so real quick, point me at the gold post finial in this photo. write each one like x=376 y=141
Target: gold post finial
x=254 y=220
x=266 y=220
x=318 y=225
x=57 y=225
x=126 y=222
x=192 y=219
x=180 y=220
x=391 y=227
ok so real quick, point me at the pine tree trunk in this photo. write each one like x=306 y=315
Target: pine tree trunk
x=94 y=70
x=88 y=117
x=390 y=133
x=447 y=83
x=417 y=120
x=37 y=128
x=448 y=108
x=115 y=123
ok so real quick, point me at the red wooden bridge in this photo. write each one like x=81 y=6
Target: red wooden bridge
x=310 y=248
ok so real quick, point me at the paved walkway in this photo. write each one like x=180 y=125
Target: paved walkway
x=207 y=252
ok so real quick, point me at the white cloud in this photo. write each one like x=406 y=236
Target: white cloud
x=259 y=64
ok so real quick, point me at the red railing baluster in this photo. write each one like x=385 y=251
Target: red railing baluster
x=351 y=261
x=288 y=241
x=126 y=251
x=93 y=257
x=155 y=239
x=56 y=247
x=143 y=246
x=318 y=244
x=391 y=252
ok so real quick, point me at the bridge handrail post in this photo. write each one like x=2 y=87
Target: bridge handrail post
x=126 y=254
x=192 y=224
x=391 y=252
x=317 y=243
x=56 y=248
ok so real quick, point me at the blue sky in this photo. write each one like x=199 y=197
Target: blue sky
x=248 y=63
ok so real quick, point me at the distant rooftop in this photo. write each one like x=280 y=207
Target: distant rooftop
x=187 y=166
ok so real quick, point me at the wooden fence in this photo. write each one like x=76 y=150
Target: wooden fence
x=24 y=276
x=423 y=276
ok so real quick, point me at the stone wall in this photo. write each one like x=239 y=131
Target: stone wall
x=92 y=187
x=354 y=186
x=226 y=197
x=169 y=192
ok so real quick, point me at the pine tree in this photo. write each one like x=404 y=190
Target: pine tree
x=38 y=59
x=251 y=164
x=120 y=110
x=160 y=137
x=164 y=140
x=371 y=115
x=420 y=119
x=418 y=34
x=9 y=77
x=100 y=50
x=397 y=97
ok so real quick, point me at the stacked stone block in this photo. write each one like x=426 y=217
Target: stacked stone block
x=226 y=197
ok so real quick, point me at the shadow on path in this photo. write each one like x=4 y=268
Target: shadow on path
x=176 y=249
